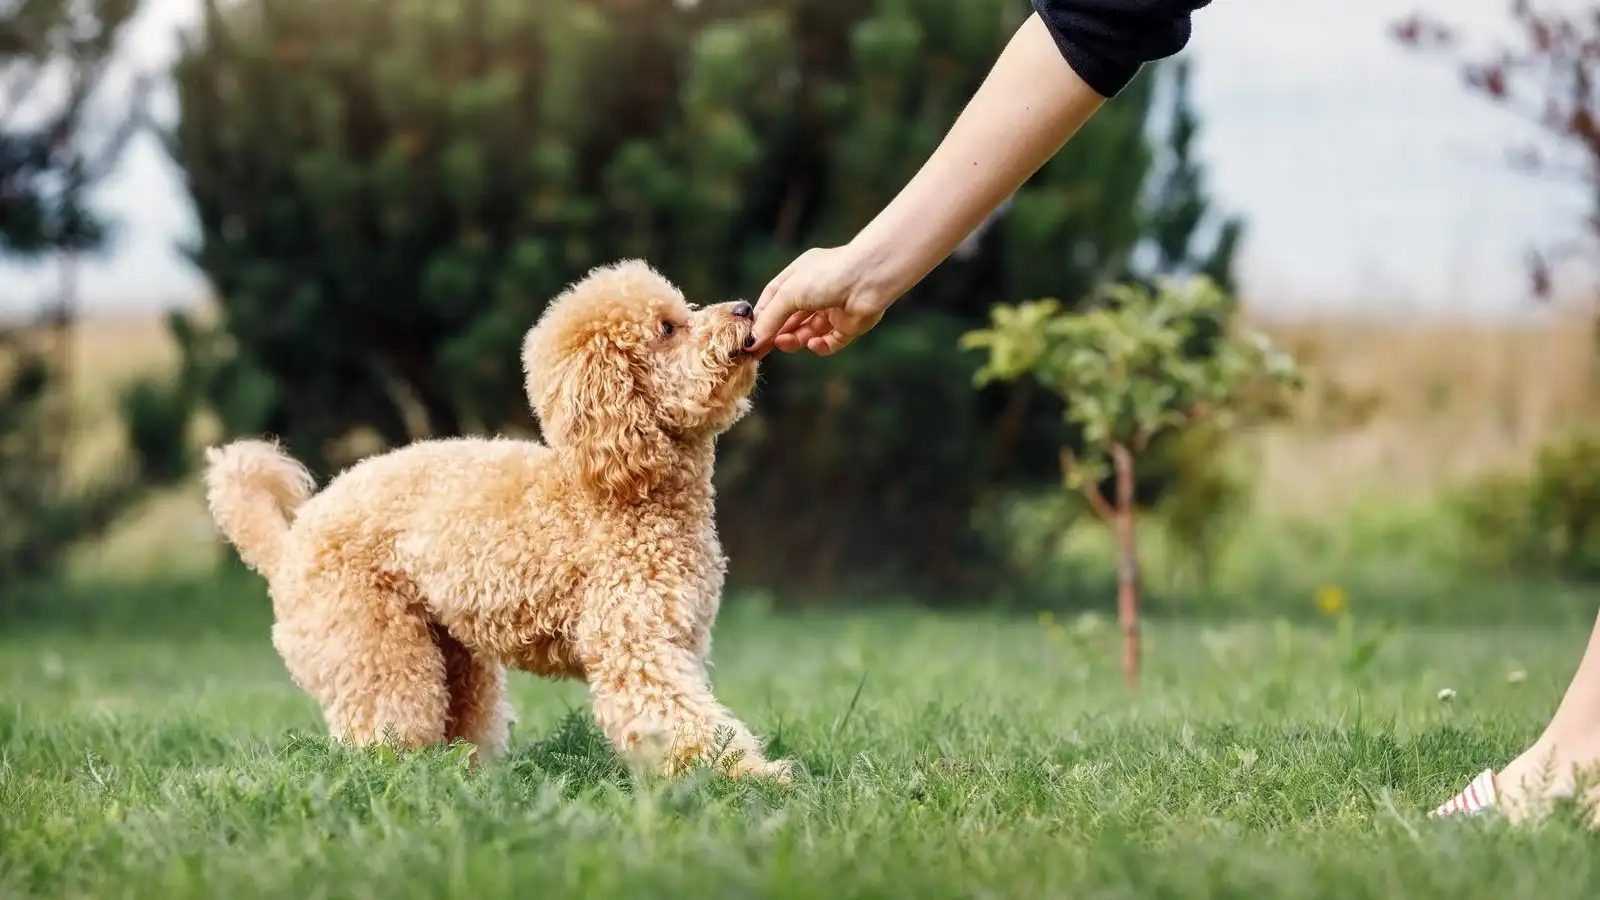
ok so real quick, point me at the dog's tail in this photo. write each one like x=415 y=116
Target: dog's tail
x=253 y=489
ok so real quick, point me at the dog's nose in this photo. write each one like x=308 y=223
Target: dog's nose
x=742 y=310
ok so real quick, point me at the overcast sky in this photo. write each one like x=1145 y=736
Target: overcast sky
x=1367 y=175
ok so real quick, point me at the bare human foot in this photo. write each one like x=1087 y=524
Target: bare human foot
x=1560 y=764
x=1548 y=772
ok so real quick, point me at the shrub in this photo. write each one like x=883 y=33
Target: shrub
x=1543 y=522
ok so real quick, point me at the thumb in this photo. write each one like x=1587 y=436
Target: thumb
x=779 y=302
x=783 y=297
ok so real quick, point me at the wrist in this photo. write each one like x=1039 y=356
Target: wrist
x=884 y=269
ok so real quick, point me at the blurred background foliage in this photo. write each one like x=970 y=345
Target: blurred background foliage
x=388 y=193
x=55 y=146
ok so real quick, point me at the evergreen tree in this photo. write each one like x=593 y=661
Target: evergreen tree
x=390 y=190
x=54 y=146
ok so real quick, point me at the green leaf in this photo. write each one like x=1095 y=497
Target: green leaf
x=1120 y=368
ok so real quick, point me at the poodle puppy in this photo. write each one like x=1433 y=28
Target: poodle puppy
x=403 y=589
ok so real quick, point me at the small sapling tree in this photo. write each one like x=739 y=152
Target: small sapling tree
x=1126 y=373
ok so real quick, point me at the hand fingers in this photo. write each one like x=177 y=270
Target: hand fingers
x=781 y=307
x=795 y=321
x=784 y=338
x=799 y=330
x=776 y=284
x=773 y=287
x=771 y=309
x=787 y=343
x=837 y=331
x=828 y=344
x=825 y=335
x=814 y=327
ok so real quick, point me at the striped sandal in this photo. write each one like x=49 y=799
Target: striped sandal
x=1479 y=796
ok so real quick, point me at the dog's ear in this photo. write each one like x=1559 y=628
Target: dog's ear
x=601 y=416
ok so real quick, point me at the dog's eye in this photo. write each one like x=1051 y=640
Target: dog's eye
x=666 y=329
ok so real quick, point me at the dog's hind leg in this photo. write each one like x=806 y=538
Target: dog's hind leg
x=375 y=665
x=477 y=711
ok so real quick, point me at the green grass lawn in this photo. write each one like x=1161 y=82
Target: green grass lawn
x=945 y=756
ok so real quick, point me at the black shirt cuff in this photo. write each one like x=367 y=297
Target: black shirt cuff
x=1106 y=42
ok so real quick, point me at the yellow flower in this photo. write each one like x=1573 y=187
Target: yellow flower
x=1046 y=619
x=1331 y=600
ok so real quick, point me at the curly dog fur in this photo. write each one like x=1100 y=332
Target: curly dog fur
x=403 y=590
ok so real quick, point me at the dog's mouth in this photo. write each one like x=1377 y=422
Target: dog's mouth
x=741 y=352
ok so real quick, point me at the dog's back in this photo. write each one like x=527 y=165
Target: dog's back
x=471 y=530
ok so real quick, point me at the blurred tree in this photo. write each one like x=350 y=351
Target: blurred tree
x=1126 y=378
x=390 y=190
x=1546 y=522
x=1550 y=78
x=1179 y=208
x=54 y=55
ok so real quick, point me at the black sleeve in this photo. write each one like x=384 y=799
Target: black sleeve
x=1107 y=41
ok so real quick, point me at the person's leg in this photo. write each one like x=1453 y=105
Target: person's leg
x=1549 y=768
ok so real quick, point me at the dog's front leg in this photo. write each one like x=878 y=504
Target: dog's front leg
x=652 y=696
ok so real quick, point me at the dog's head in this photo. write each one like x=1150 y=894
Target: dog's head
x=621 y=370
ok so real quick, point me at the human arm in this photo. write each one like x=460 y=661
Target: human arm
x=1053 y=74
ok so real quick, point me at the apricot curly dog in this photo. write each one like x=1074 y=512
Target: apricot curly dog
x=403 y=589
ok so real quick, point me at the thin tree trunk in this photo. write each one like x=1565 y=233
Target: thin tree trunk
x=1008 y=431
x=1128 y=567
x=56 y=426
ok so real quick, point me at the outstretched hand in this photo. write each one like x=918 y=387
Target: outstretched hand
x=821 y=302
x=1029 y=105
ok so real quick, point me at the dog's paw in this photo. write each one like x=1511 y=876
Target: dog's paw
x=650 y=751
x=777 y=770
x=781 y=771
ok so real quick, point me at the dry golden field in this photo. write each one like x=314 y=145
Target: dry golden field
x=1392 y=409
x=1402 y=409
x=172 y=529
